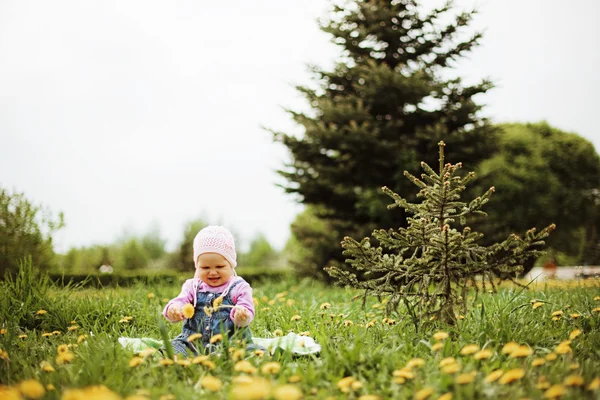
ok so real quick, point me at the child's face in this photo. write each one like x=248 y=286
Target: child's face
x=213 y=269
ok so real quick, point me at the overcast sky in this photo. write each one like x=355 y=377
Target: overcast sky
x=131 y=114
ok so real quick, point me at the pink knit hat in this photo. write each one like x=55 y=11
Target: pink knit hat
x=215 y=239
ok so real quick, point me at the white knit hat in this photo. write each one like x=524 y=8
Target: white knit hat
x=215 y=239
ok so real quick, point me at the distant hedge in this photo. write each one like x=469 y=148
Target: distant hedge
x=253 y=275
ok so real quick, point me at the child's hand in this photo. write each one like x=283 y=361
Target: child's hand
x=241 y=316
x=174 y=313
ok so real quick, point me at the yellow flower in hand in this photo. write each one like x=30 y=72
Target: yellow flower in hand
x=188 y=311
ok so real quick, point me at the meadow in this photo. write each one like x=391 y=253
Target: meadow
x=61 y=343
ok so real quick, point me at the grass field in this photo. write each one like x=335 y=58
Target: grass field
x=61 y=343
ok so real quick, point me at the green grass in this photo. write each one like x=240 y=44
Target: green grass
x=370 y=355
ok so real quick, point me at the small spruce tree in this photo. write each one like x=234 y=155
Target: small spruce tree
x=430 y=265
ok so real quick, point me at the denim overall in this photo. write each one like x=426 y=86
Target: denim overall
x=208 y=326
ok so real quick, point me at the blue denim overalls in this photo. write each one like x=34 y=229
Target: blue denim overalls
x=208 y=326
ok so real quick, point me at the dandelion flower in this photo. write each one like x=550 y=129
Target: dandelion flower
x=356 y=385
x=216 y=338
x=512 y=375
x=551 y=356
x=437 y=346
x=345 y=383
x=403 y=373
x=537 y=362
x=199 y=359
x=166 y=361
x=2 y=331
x=483 y=354
x=3 y=355
x=398 y=380
x=521 y=351
x=81 y=338
x=554 y=392
x=294 y=379
x=32 y=388
x=440 y=335
x=509 y=347
x=445 y=396
x=188 y=310
x=469 y=349
x=271 y=368
x=305 y=333
x=64 y=358
x=424 y=393
x=41 y=312
x=494 y=375
x=244 y=366
x=278 y=332
x=23 y=336
x=447 y=361
x=47 y=367
x=450 y=369
x=63 y=348
x=184 y=362
x=208 y=364
x=135 y=361
x=348 y=323
x=46 y=334
x=596 y=310
x=295 y=317
x=575 y=315
x=597 y=298
x=253 y=389
x=575 y=334
x=324 y=306
x=574 y=380
x=594 y=384
x=211 y=383
x=463 y=379
x=369 y=397
x=415 y=363
x=72 y=328
x=50 y=387
x=537 y=304
x=573 y=366
x=557 y=313
x=563 y=348
x=194 y=336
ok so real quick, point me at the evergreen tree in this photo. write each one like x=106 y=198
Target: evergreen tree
x=430 y=265
x=382 y=110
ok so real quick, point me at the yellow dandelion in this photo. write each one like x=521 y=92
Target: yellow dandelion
x=555 y=318
x=188 y=310
x=574 y=380
x=72 y=328
x=403 y=373
x=450 y=369
x=216 y=338
x=594 y=384
x=208 y=364
x=167 y=396
x=47 y=367
x=573 y=366
x=50 y=387
x=194 y=336
x=184 y=362
x=356 y=385
x=597 y=298
x=509 y=347
x=295 y=317
x=81 y=338
x=23 y=336
x=199 y=359
x=521 y=351
x=575 y=334
x=271 y=368
x=445 y=396
x=3 y=355
x=10 y=393
x=469 y=349
x=369 y=397
x=278 y=332
x=494 y=375
x=261 y=353
x=551 y=356
x=305 y=333
x=563 y=348
x=447 y=361
x=558 y=313
x=345 y=383
x=542 y=385
x=294 y=379
x=415 y=363
x=46 y=334
x=63 y=348
x=290 y=302
x=437 y=346
x=483 y=354
x=463 y=379
x=537 y=362
x=150 y=295
x=440 y=335
x=165 y=362
x=424 y=393
x=41 y=312
x=32 y=388
x=135 y=361
x=554 y=392
x=348 y=323
x=2 y=331
x=64 y=358
x=146 y=352
x=575 y=315
x=537 y=304
x=253 y=389
x=324 y=306
x=211 y=383
x=512 y=375
x=596 y=310
x=244 y=366
x=398 y=380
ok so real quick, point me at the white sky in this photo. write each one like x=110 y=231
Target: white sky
x=125 y=114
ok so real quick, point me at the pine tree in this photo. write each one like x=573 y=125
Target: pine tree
x=430 y=265
x=382 y=110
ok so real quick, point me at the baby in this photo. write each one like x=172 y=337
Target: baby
x=220 y=300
